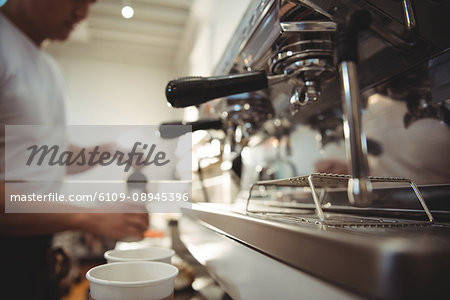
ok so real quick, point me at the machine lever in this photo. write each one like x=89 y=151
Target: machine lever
x=170 y=130
x=190 y=91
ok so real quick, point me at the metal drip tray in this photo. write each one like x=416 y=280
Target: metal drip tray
x=377 y=258
x=340 y=220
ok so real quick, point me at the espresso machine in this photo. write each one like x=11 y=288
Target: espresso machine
x=315 y=63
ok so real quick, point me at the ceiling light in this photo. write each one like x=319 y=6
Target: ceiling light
x=127 y=11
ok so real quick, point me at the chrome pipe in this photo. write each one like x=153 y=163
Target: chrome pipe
x=359 y=186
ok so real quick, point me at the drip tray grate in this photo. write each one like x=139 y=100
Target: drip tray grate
x=323 y=182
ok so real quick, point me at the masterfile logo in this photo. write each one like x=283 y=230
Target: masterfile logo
x=96 y=166
x=96 y=157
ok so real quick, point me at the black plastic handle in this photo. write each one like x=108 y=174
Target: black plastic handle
x=168 y=131
x=190 y=91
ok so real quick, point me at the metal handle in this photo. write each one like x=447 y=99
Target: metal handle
x=410 y=21
x=170 y=130
x=408 y=37
x=190 y=91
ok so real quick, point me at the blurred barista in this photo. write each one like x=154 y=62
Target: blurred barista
x=31 y=93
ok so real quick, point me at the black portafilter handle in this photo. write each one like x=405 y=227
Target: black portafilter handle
x=169 y=131
x=191 y=91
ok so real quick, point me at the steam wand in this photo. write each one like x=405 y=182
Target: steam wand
x=359 y=186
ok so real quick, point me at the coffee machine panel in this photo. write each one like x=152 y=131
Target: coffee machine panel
x=371 y=77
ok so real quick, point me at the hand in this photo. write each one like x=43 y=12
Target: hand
x=116 y=225
x=331 y=166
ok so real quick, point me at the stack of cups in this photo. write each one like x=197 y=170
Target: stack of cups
x=134 y=275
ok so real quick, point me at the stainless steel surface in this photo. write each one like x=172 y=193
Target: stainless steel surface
x=359 y=187
x=378 y=262
x=244 y=114
x=293 y=41
x=249 y=274
x=308 y=26
x=261 y=34
x=308 y=60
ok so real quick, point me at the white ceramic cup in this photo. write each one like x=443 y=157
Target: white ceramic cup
x=132 y=281
x=143 y=254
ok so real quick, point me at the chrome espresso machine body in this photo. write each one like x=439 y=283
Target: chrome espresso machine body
x=315 y=63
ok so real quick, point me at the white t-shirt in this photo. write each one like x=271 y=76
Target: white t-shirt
x=31 y=93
